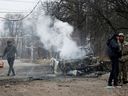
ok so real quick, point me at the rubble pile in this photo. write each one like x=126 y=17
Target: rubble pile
x=83 y=67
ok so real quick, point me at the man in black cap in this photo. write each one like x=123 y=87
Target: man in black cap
x=10 y=52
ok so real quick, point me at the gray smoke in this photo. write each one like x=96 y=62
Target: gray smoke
x=56 y=33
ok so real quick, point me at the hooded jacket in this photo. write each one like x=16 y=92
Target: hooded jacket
x=10 y=51
x=114 y=48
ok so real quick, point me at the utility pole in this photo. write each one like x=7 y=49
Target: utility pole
x=32 y=52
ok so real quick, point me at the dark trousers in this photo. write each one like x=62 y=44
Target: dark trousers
x=11 y=63
x=114 y=72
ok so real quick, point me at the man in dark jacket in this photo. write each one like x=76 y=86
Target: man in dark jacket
x=114 y=55
x=10 y=52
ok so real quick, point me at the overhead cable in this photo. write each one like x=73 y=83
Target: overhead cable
x=25 y=15
x=21 y=1
x=31 y=11
x=13 y=12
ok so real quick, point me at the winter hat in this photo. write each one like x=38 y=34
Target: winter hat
x=121 y=34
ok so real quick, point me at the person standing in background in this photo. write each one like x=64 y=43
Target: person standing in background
x=10 y=52
x=114 y=54
x=123 y=60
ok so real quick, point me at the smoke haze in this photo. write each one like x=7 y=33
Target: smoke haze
x=57 y=34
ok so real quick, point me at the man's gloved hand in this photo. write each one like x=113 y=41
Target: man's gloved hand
x=121 y=60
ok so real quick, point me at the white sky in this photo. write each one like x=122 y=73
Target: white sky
x=15 y=6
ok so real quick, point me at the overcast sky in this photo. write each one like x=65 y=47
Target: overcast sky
x=15 y=6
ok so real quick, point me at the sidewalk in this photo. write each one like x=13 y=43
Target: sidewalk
x=25 y=70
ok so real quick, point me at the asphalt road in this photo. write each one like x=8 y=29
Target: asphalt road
x=26 y=70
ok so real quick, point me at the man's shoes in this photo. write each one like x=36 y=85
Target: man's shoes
x=13 y=74
x=125 y=82
x=118 y=86
x=109 y=87
x=110 y=84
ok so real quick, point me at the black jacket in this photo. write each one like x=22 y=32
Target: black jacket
x=114 y=49
x=10 y=52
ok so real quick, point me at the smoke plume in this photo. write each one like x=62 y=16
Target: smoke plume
x=57 y=34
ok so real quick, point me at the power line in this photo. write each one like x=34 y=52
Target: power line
x=24 y=16
x=12 y=12
x=21 y=1
x=31 y=11
x=5 y=18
